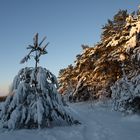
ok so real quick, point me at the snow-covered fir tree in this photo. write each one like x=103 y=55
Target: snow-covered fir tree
x=126 y=95
x=115 y=58
x=33 y=101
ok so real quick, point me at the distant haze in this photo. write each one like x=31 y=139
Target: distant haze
x=4 y=91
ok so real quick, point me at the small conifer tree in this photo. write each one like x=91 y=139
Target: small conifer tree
x=33 y=101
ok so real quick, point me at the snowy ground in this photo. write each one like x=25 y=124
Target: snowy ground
x=98 y=123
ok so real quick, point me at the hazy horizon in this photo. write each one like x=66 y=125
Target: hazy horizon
x=66 y=23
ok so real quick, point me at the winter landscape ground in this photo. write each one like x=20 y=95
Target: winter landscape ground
x=99 y=122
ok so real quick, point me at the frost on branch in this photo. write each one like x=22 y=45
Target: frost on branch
x=25 y=59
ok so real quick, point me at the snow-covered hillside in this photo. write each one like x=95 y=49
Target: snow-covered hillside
x=99 y=122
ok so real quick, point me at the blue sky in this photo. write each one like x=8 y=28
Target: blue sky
x=66 y=23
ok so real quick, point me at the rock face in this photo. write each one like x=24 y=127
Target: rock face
x=97 y=69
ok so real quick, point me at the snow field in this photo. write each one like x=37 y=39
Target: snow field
x=99 y=122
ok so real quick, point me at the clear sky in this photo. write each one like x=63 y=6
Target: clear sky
x=66 y=23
